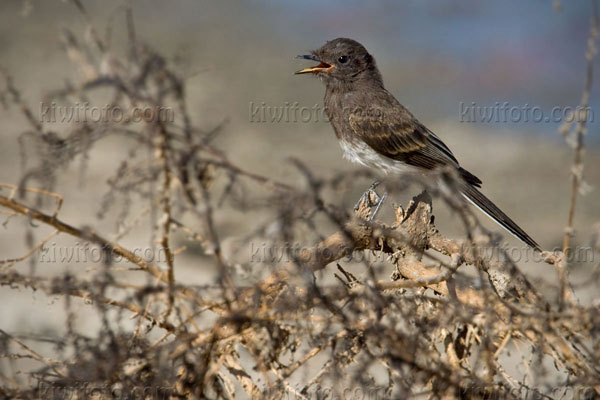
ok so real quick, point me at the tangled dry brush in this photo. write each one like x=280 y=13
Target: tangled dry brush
x=287 y=321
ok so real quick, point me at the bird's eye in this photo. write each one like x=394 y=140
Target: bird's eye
x=343 y=59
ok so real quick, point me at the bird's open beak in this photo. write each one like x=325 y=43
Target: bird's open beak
x=322 y=67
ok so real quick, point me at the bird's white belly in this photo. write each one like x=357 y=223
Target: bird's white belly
x=361 y=153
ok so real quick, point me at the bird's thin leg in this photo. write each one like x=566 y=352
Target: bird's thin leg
x=365 y=196
x=378 y=206
x=369 y=199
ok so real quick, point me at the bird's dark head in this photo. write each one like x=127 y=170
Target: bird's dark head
x=342 y=61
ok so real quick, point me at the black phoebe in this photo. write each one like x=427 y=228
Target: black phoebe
x=375 y=130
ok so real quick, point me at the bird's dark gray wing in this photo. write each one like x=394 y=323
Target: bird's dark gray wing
x=395 y=133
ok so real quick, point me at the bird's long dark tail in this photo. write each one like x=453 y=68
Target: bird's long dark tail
x=484 y=204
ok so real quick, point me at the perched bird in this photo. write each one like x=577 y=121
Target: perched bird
x=375 y=130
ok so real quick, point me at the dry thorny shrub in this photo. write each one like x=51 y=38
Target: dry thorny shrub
x=275 y=324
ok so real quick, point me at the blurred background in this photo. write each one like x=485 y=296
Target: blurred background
x=435 y=58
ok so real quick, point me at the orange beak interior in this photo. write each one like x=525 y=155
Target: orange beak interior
x=322 y=67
